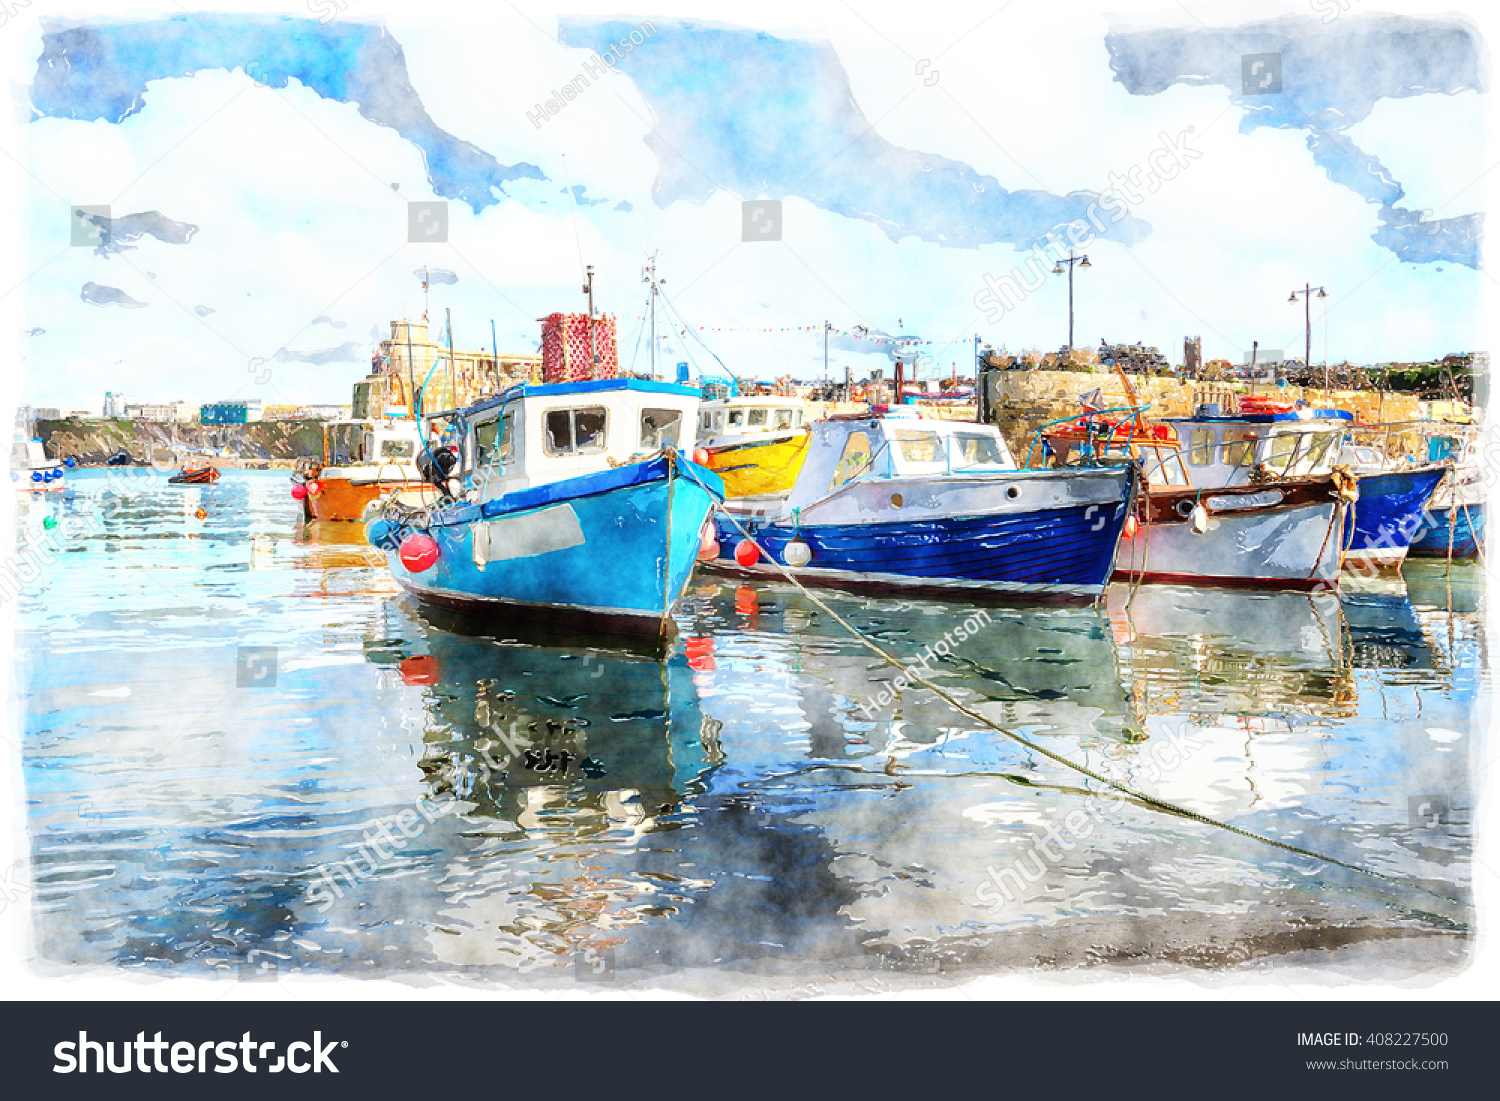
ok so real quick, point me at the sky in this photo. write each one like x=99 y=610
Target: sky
x=937 y=146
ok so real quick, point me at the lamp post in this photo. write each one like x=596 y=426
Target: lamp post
x=1307 y=295
x=1058 y=270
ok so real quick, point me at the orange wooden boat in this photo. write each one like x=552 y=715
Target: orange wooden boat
x=194 y=474
x=363 y=461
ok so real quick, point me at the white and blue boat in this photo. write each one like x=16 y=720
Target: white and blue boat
x=902 y=504
x=1258 y=448
x=570 y=504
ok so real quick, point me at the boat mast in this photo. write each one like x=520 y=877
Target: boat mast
x=452 y=385
x=588 y=289
x=413 y=404
x=495 y=351
x=648 y=276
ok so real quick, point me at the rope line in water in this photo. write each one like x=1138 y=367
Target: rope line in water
x=1149 y=800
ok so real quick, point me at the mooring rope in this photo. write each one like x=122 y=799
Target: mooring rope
x=1124 y=789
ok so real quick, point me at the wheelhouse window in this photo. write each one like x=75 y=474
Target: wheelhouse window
x=919 y=447
x=345 y=444
x=1239 y=446
x=1319 y=452
x=660 y=428
x=757 y=419
x=854 y=461
x=486 y=438
x=736 y=417
x=575 y=431
x=972 y=449
x=1201 y=446
x=782 y=418
x=1164 y=467
x=397 y=450
x=1284 y=450
x=707 y=420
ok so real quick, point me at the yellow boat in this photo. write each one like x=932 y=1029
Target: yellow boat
x=755 y=444
x=760 y=467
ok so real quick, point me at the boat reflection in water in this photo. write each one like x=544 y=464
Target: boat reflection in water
x=1215 y=651
x=556 y=757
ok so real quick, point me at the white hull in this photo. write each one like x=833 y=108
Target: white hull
x=1295 y=548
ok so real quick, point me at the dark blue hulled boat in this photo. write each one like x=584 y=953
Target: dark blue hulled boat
x=1454 y=523
x=898 y=503
x=1380 y=525
x=566 y=504
x=1451 y=528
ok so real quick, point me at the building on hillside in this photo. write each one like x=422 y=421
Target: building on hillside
x=305 y=412
x=114 y=404
x=411 y=357
x=234 y=411
x=170 y=412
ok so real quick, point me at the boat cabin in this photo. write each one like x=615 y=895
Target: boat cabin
x=370 y=443
x=898 y=444
x=727 y=421
x=1225 y=450
x=538 y=434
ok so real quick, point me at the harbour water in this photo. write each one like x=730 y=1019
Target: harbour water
x=247 y=753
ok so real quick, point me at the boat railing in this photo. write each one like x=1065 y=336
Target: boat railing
x=1087 y=418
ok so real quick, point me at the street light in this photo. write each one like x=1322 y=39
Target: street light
x=1082 y=261
x=1306 y=293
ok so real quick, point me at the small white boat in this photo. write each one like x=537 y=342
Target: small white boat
x=30 y=469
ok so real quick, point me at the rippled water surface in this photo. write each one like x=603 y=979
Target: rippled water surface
x=247 y=752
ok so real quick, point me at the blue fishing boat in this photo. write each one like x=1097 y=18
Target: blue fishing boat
x=1380 y=525
x=1452 y=530
x=570 y=504
x=898 y=503
x=1454 y=523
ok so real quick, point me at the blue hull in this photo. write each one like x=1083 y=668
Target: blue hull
x=1388 y=513
x=589 y=552
x=1468 y=532
x=1049 y=554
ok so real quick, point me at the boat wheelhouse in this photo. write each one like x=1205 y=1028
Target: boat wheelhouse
x=1238 y=449
x=570 y=503
x=895 y=502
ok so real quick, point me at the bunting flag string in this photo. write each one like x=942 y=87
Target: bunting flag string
x=901 y=341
